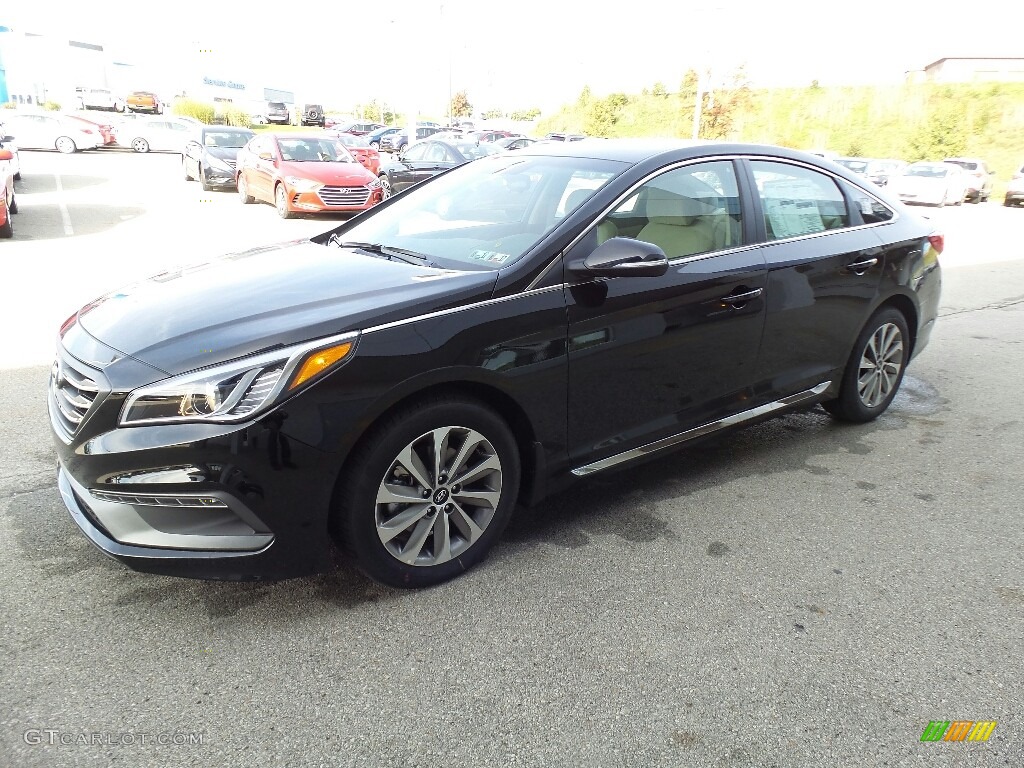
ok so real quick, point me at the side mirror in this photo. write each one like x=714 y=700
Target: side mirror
x=6 y=154
x=622 y=257
x=265 y=156
x=7 y=138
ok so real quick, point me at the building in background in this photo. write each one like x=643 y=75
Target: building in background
x=952 y=70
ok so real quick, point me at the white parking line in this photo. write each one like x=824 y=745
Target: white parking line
x=65 y=217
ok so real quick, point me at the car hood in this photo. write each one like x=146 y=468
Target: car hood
x=253 y=301
x=341 y=174
x=223 y=153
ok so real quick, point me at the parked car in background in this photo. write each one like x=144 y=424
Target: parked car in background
x=358 y=128
x=7 y=142
x=978 y=176
x=489 y=135
x=876 y=171
x=98 y=98
x=405 y=380
x=360 y=149
x=211 y=155
x=144 y=101
x=313 y=114
x=428 y=158
x=930 y=184
x=374 y=137
x=278 y=113
x=565 y=137
x=1015 y=189
x=514 y=142
x=106 y=130
x=9 y=204
x=396 y=142
x=48 y=130
x=304 y=173
x=159 y=134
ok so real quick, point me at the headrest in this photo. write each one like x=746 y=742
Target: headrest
x=668 y=208
x=576 y=198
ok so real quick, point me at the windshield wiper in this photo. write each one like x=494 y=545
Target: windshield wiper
x=388 y=252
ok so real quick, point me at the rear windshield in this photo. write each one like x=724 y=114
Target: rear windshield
x=964 y=164
x=927 y=171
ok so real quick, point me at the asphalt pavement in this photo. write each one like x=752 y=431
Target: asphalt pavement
x=800 y=593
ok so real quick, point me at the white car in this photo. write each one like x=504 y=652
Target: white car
x=98 y=98
x=930 y=184
x=8 y=203
x=51 y=131
x=157 y=133
x=1015 y=189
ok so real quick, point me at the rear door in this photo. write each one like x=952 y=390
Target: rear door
x=824 y=268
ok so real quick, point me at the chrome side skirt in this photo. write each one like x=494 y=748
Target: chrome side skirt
x=705 y=429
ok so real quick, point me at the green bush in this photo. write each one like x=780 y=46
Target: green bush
x=9 y=105
x=236 y=117
x=197 y=109
x=51 y=106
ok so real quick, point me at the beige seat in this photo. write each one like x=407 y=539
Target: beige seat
x=682 y=226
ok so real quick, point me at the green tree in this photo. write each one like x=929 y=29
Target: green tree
x=492 y=114
x=943 y=133
x=585 y=96
x=722 y=107
x=460 y=106
x=524 y=115
x=659 y=90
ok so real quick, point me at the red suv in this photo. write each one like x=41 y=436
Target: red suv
x=490 y=135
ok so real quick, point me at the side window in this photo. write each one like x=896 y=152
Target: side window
x=414 y=152
x=872 y=211
x=798 y=201
x=435 y=153
x=686 y=211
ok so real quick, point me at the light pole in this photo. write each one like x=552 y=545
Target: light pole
x=442 y=37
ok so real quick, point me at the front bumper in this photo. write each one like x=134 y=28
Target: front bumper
x=235 y=502
x=320 y=200
x=219 y=177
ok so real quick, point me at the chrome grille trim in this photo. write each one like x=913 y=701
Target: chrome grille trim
x=74 y=391
x=158 y=500
x=343 y=195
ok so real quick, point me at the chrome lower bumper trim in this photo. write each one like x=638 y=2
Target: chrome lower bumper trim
x=704 y=429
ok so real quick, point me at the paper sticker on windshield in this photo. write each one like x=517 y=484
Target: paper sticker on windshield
x=491 y=257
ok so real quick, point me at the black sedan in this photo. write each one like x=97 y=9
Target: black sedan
x=428 y=158
x=396 y=142
x=212 y=154
x=515 y=142
x=399 y=384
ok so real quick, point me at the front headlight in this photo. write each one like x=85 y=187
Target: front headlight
x=236 y=391
x=375 y=184
x=301 y=185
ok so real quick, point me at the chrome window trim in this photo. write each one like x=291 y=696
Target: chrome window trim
x=704 y=429
x=463 y=308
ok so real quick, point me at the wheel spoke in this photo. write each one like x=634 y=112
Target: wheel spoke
x=398 y=494
x=489 y=497
x=469 y=529
x=490 y=464
x=401 y=522
x=473 y=439
x=412 y=463
x=440 y=449
x=442 y=540
x=415 y=544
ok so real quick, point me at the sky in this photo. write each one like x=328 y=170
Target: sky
x=531 y=53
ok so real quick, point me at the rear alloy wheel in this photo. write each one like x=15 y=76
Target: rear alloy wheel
x=385 y=187
x=281 y=201
x=66 y=145
x=7 y=228
x=429 y=494
x=875 y=369
x=243 y=191
x=140 y=145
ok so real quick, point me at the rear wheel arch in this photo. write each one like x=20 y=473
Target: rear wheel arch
x=906 y=307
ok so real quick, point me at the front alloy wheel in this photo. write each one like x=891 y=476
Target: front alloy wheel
x=65 y=145
x=140 y=145
x=875 y=369
x=385 y=187
x=281 y=201
x=428 y=492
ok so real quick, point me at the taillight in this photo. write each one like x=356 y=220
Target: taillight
x=938 y=242
x=87 y=130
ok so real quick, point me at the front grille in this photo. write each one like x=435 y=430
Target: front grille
x=73 y=392
x=344 y=195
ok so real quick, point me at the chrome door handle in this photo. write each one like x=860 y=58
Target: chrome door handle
x=741 y=298
x=862 y=266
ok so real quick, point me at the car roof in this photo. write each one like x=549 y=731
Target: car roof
x=637 y=150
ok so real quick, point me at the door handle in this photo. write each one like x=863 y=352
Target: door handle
x=860 y=267
x=741 y=298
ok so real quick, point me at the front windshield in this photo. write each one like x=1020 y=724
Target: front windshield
x=310 y=150
x=485 y=214
x=352 y=141
x=229 y=139
x=927 y=171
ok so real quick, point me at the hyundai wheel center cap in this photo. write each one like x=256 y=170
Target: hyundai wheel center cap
x=440 y=495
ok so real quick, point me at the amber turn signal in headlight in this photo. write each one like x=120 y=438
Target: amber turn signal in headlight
x=318 y=362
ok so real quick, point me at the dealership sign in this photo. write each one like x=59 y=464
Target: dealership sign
x=224 y=83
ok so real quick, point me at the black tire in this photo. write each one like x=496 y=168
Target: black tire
x=281 y=202
x=184 y=169
x=203 y=182
x=17 y=176
x=851 y=405
x=375 y=145
x=7 y=228
x=1006 y=201
x=14 y=203
x=355 y=519
x=386 y=190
